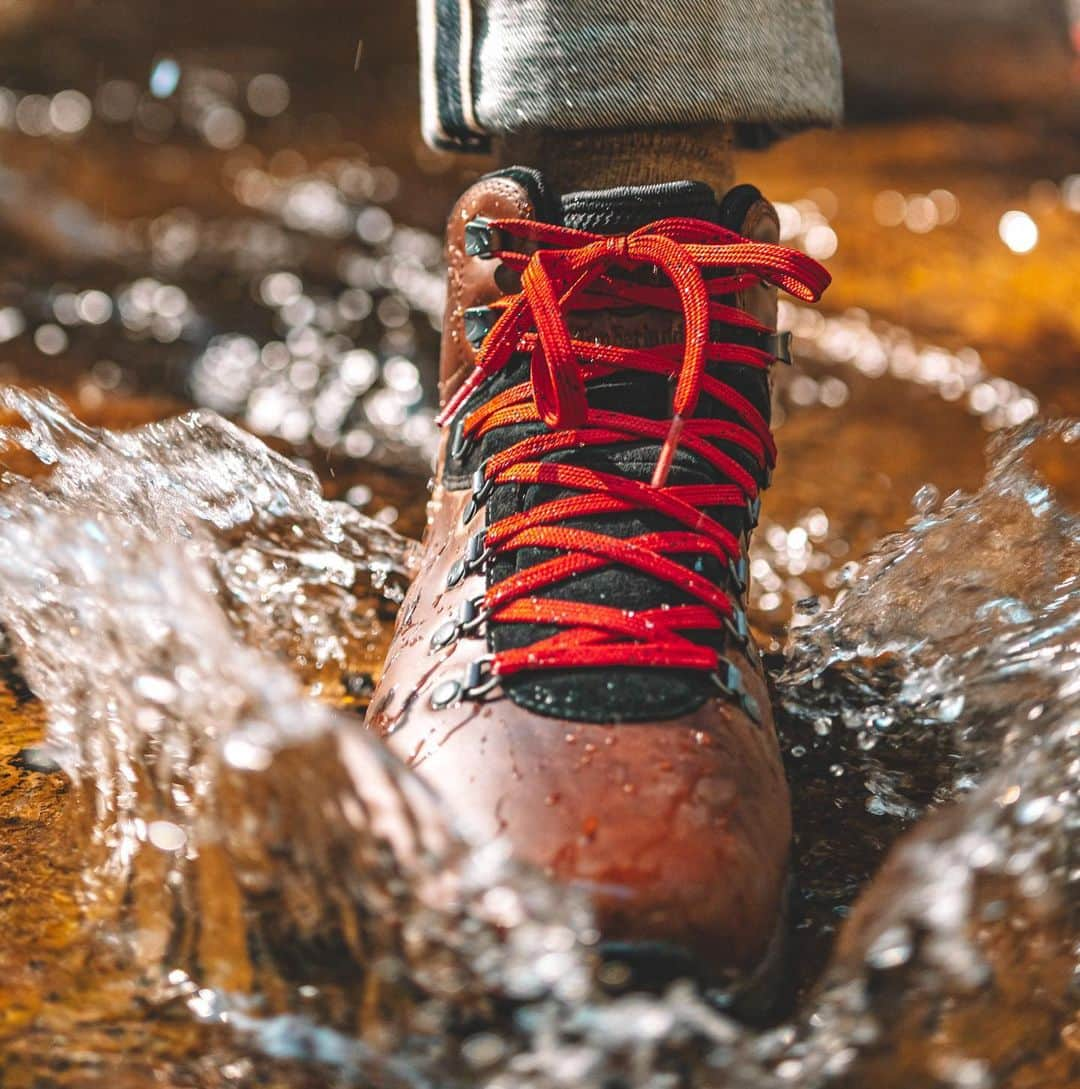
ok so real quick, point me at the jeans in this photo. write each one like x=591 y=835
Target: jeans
x=492 y=67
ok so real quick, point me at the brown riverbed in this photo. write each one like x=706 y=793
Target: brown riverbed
x=76 y=209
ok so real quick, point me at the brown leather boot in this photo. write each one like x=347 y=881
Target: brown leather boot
x=572 y=668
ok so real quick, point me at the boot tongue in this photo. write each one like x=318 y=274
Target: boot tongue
x=624 y=209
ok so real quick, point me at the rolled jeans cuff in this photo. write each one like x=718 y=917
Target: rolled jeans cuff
x=496 y=67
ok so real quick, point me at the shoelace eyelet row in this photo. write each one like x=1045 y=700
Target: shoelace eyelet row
x=563 y=270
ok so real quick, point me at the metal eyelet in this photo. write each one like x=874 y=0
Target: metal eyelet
x=478 y=322
x=778 y=345
x=470 y=619
x=738 y=626
x=482 y=238
x=479 y=678
x=482 y=487
x=476 y=555
x=753 y=509
x=729 y=680
x=460 y=443
x=473 y=616
x=445 y=693
x=739 y=570
x=477 y=682
x=444 y=634
x=476 y=551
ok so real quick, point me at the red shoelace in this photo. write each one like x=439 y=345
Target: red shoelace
x=567 y=271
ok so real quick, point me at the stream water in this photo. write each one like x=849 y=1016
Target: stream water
x=255 y=857
x=211 y=875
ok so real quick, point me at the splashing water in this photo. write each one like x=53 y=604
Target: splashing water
x=237 y=832
x=256 y=857
x=950 y=630
x=956 y=646
x=296 y=573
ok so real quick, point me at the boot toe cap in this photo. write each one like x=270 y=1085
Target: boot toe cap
x=678 y=834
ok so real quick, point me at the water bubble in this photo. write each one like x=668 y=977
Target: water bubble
x=223 y=127
x=374 y=225
x=921 y=214
x=963 y=1073
x=483 y=1050
x=268 y=95
x=892 y=948
x=156 y=689
x=926 y=499
x=166 y=836
x=70 y=112
x=32 y=115
x=94 y=307
x=947 y=205
x=889 y=208
x=820 y=242
x=12 y=323
x=1033 y=811
x=1018 y=231
x=164 y=77
x=50 y=339
x=242 y=753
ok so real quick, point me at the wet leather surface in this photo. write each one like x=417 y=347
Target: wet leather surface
x=471 y=280
x=679 y=828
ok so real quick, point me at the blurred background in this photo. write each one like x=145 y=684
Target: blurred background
x=229 y=204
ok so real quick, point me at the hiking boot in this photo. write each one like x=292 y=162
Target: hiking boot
x=572 y=668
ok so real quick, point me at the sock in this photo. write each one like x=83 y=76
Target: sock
x=603 y=159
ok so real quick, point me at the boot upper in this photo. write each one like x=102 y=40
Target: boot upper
x=658 y=790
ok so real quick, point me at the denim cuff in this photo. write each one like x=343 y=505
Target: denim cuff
x=495 y=67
